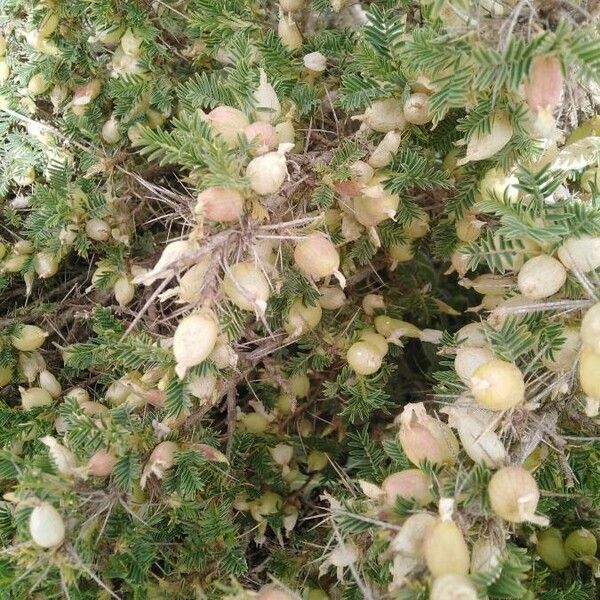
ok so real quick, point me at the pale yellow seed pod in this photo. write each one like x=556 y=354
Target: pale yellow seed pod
x=331 y=298
x=194 y=340
x=247 y=287
x=364 y=358
x=446 y=551
x=589 y=373
x=34 y=397
x=302 y=318
x=453 y=587
x=124 y=291
x=590 y=328
x=49 y=383
x=45 y=264
x=375 y=339
x=498 y=385
x=541 y=276
x=29 y=337
x=514 y=495
x=288 y=32
x=317 y=256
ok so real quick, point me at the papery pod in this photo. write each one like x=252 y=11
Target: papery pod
x=407 y=546
x=174 y=257
x=475 y=429
x=160 y=461
x=485 y=145
x=62 y=457
x=423 y=437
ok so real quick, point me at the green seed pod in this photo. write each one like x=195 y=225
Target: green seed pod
x=580 y=543
x=551 y=549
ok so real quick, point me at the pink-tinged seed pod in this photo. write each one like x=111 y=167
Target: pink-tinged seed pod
x=228 y=122
x=424 y=437
x=264 y=136
x=101 y=464
x=543 y=89
x=220 y=204
x=411 y=484
x=317 y=256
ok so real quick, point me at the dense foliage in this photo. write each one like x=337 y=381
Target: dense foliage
x=299 y=299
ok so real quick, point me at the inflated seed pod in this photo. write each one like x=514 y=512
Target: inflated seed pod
x=263 y=136
x=590 y=328
x=543 y=89
x=220 y=204
x=6 y=376
x=372 y=211
x=514 y=495
x=551 y=548
x=98 y=230
x=247 y=287
x=302 y=318
x=268 y=172
x=45 y=264
x=580 y=254
x=101 y=464
x=498 y=385
x=446 y=550
x=49 y=383
x=589 y=373
x=331 y=298
x=288 y=32
x=34 y=397
x=375 y=339
x=110 y=131
x=124 y=291
x=497 y=183
x=485 y=145
x=411 y=484
x=317 y=256
x=28 y=337
x=385 y=150
x=424 y=437
x=564 y=358
x=364 y=358
x=580 y=543
x=46 y=526
x=416 y=109
x=194 y=340
x=472 y=335
x=541 y=276
x=228 y=122
x=384 y=116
